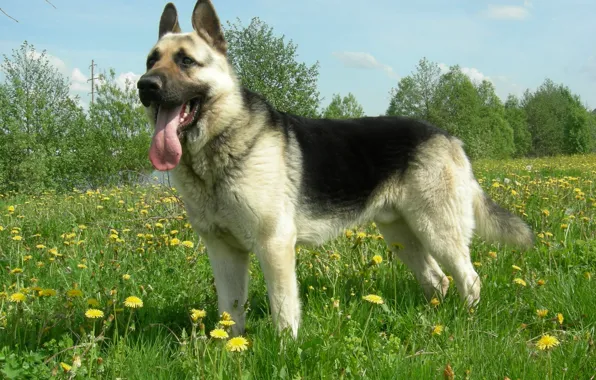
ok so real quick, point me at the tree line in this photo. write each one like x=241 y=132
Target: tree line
x=49 y=142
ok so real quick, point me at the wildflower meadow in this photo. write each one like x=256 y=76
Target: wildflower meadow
x=113 y=283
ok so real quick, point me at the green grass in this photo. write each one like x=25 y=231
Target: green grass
x=342 y=336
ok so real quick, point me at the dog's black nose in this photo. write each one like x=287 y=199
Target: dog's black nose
x=149 y=89
x=150 y=83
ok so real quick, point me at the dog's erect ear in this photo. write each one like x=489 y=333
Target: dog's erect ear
x=206 y=23
x=169 y=20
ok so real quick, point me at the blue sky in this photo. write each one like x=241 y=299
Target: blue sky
x=363 y=47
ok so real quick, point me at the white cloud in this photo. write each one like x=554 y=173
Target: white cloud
x=129 y=77
x=473 y=73
x=361 y=60
x=54 y=61
x=78 y=81
x=508 y=12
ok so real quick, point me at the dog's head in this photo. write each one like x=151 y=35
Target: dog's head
x=184 y=72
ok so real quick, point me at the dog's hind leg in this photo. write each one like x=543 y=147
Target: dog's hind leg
x=402 y=241
x=278 y=262
x=444 y=225
x=230 y=269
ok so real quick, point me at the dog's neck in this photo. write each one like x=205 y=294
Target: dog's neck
x=221 y=140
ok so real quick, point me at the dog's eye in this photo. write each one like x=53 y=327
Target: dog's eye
x=151 y=62
x=187 y=61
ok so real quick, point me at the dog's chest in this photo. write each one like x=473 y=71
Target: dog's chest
x=214 y=210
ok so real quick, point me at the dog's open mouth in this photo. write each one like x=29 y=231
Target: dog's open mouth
x=170 y=123
x=189 y=114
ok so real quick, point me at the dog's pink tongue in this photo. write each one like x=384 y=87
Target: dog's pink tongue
x=165 y=151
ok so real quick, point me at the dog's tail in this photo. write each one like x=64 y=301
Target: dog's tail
x=497 y=225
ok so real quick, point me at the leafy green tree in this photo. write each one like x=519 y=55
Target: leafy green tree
x=494 y=131
x=516 y=117
x=557 y=120
x=577 y=128
x=457 y=108
x=119 y=133
x=267 y=64
x=39 y=123
x=343 y=108
x=414 y=95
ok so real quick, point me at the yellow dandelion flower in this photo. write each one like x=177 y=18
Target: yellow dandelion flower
x=158 y=225
x=437 y=330
x=47 y=293
x=227 y=323
x=237 y=344
x=435 y=302
x=226 y=316
x=545 y=212
x=515 y=267
x=349 y=233
x=188 y=244
x=564 y=226
x=73 y=293
x=27 y=258
x=81 y=266
x=547 y=342
x=373 y=298
x=17 y=297
x=93 y=302
x=17 y=238
x=219 y=334
x=493 y=254
x=94 y=313
x=196 y=314
x=174 y=242
x=40 y=246
x=541 y=313
x=519 y=281
x=560 y=318
x=10 y=209
x=335 y=256
x=16 y=271
x=126 y=277
x=65 y=367
x=173 y=232
x=133 y=302
x=540 y=282
x=361 y=235
x=377 y=259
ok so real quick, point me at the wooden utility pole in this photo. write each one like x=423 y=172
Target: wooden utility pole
x=92 y=79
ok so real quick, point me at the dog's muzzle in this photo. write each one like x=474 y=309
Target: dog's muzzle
x=150 y=89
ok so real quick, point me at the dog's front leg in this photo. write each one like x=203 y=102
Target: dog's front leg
x=230 y=269
x=277 y=258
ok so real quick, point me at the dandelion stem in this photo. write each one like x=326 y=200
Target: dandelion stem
x=239 y=367
x=367 y=321
x=128 y=323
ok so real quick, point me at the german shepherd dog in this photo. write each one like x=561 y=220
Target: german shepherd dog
x=254 y=179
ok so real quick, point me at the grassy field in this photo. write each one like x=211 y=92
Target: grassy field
x=70 y=263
